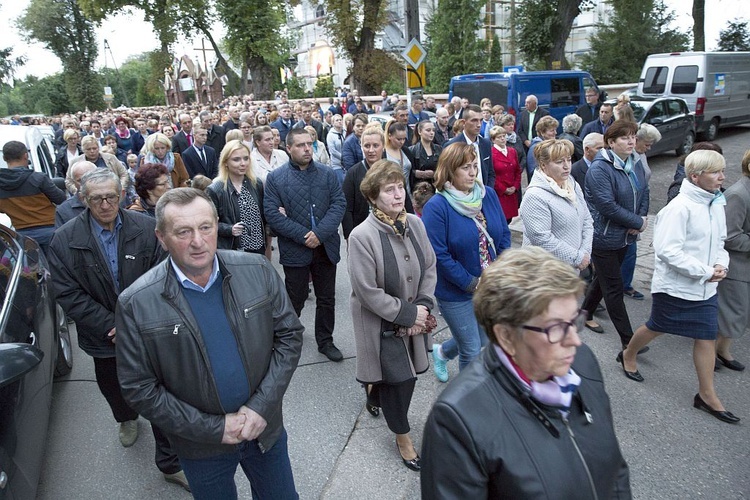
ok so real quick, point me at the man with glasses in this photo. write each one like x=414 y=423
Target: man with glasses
x=589 y=111
x=95 y=256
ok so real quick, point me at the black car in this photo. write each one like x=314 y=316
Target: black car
x=34 y=347
x=671 y=116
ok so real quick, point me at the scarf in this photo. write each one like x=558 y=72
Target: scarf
x=568 y=191
x=168 y=160
x=511 y=137
x=555 y=391
x=123 y=135
x=398 y=225
x=468 y=205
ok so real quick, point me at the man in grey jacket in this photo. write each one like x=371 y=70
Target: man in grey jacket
x=207 y=345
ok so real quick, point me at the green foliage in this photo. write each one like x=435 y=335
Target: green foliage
x=136 y=81
x=62 y=28
x=34 y=95
x=452 y=44
x=395 y=84
x=324 y=87
x=295 y=88
x=636 y=29
x=543 y=28
x=495 y=55
x=735 y=37
x=8 y=64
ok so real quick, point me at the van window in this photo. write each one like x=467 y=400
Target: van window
x=685 y=79
x=655 y=81
x=475 y=91
x=565 y=92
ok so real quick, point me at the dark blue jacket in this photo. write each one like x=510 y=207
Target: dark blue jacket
x=283 y=129
x=594 y=126
x=616 y=200
x=485 y=160
x=351 y=152
x=306 y=195
x=455 y=239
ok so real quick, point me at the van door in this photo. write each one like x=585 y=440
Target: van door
x=565 y=96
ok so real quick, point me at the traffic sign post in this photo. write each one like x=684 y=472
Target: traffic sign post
x=416 y=75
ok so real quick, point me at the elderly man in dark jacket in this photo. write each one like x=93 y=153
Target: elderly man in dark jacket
x=304 y=206
x=208 y=345
x=95 y=256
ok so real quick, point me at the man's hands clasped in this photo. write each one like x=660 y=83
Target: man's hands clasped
x=245 y=425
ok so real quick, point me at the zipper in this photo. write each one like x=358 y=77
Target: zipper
x=580 y=455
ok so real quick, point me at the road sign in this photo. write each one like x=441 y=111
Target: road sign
x=416 y=78
x=414 y=53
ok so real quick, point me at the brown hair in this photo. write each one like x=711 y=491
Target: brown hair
x=620 y=128
x=382 y=172
x=451 y=159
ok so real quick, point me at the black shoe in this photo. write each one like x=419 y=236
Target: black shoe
x=731 y=364
x=631 y=375
x=331 y=352
x=594 y=326
x=600 y=308
x=724 y=416
x=643 y=349
x=414 y=464
x=371 y=408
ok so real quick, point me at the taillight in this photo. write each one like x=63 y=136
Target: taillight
x=700 y=104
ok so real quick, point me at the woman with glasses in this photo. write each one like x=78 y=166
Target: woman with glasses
x=532 y=420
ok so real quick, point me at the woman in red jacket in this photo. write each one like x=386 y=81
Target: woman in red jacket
x=507 y=172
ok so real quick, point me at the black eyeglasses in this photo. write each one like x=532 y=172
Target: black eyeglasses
x=557 y=332
x=111 y=199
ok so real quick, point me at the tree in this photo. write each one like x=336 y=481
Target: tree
x=63 y=29
x=636 y=29
x=452 y=44
x=324 y=87
x=543 y=28
x=34 y=95
x=254 y=37
x=352 y=25
x=8 y=64
x=735 y=37
x=136 y=78
x=699 y=21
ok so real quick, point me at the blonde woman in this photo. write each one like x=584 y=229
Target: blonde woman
x=320 y=154
x=238 y=196
x=158 y=149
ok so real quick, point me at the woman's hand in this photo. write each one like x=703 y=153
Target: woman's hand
x=237 y=229
x=720 y=272
x=510 y=190
x=422 y=313
x=585 y=262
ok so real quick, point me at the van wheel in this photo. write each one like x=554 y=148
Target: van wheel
x=687 y=145
x=712 y=131
x=64 y=363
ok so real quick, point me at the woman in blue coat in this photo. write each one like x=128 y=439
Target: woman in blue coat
x=467 y=229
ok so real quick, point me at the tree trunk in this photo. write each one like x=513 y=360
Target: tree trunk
x=235 y=84
x=361 y=63
x=567 y=11
x=262 y=75
x=699 y=32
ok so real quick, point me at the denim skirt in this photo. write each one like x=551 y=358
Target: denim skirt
x=697 y=319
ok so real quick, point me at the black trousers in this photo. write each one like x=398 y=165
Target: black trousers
x=323 y=272
x=394 y=400
x=607 y=284
x=109 y=385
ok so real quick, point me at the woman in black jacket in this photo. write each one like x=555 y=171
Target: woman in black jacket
x=426 y=152
x=530 y=417
x=238 y=197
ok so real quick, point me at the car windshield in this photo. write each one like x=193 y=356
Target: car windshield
x=640 y=108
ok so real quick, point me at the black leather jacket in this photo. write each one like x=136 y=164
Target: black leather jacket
x=226 y=199
x=162 y=362
x=82 y=280
x=485 y=438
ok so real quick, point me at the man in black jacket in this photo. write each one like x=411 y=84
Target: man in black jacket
x=201 y=158
x=208 y=343
x=95 y=256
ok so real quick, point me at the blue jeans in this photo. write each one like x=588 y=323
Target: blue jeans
x=270 y=473
x=468 y=337
x=628 y=266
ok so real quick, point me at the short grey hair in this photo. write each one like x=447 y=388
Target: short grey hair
x=99 y=176
x=572 y=123
x=648 y=133
x=180 y=197
x=593 y=139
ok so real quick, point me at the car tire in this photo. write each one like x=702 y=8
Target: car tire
x=64 y=363
x=687 y=145
x=711 y=131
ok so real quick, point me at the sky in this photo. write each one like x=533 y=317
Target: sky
x=130 y=35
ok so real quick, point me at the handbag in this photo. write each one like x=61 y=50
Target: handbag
x=395 y=362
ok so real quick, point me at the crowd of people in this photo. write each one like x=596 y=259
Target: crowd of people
x=161 y=247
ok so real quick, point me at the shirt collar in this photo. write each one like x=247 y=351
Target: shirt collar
x=99 y=230
x=192 y=285
x=469 y=141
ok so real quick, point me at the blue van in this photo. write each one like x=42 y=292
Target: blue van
x=559 y=92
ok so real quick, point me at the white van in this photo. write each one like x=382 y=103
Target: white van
x=41 y=158
x=716 y=86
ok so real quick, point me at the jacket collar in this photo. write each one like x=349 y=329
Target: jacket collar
x=82 y=237
x=172 y=286
x=699 y=195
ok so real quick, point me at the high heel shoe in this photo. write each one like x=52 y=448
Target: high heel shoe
x=724 y=416
x=371 y=409
x=414 y=464
x=631 y=375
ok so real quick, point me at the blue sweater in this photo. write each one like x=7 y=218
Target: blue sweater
x=223 y=353
x=455 y=239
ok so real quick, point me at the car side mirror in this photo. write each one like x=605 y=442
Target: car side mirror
x=16 y=360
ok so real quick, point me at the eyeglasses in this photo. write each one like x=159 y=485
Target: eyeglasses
x=558 y=331
x=111 y=199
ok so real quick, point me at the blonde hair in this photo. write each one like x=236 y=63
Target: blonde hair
x=497 y=130
x=313 y=133
x=546 y=123
x=234 y=135
x=229 y=148
x=89 y=139
x=553 y=150
x=703 y=160
x=70 y=132
x=152 y=139
x=374 y=129
x=451 y=159
x=520 y=285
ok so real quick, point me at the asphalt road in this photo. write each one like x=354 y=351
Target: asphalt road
x=339 y=451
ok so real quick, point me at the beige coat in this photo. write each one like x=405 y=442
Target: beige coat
x=377 y=254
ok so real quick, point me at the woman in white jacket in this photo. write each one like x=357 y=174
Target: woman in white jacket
x=689 y=262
